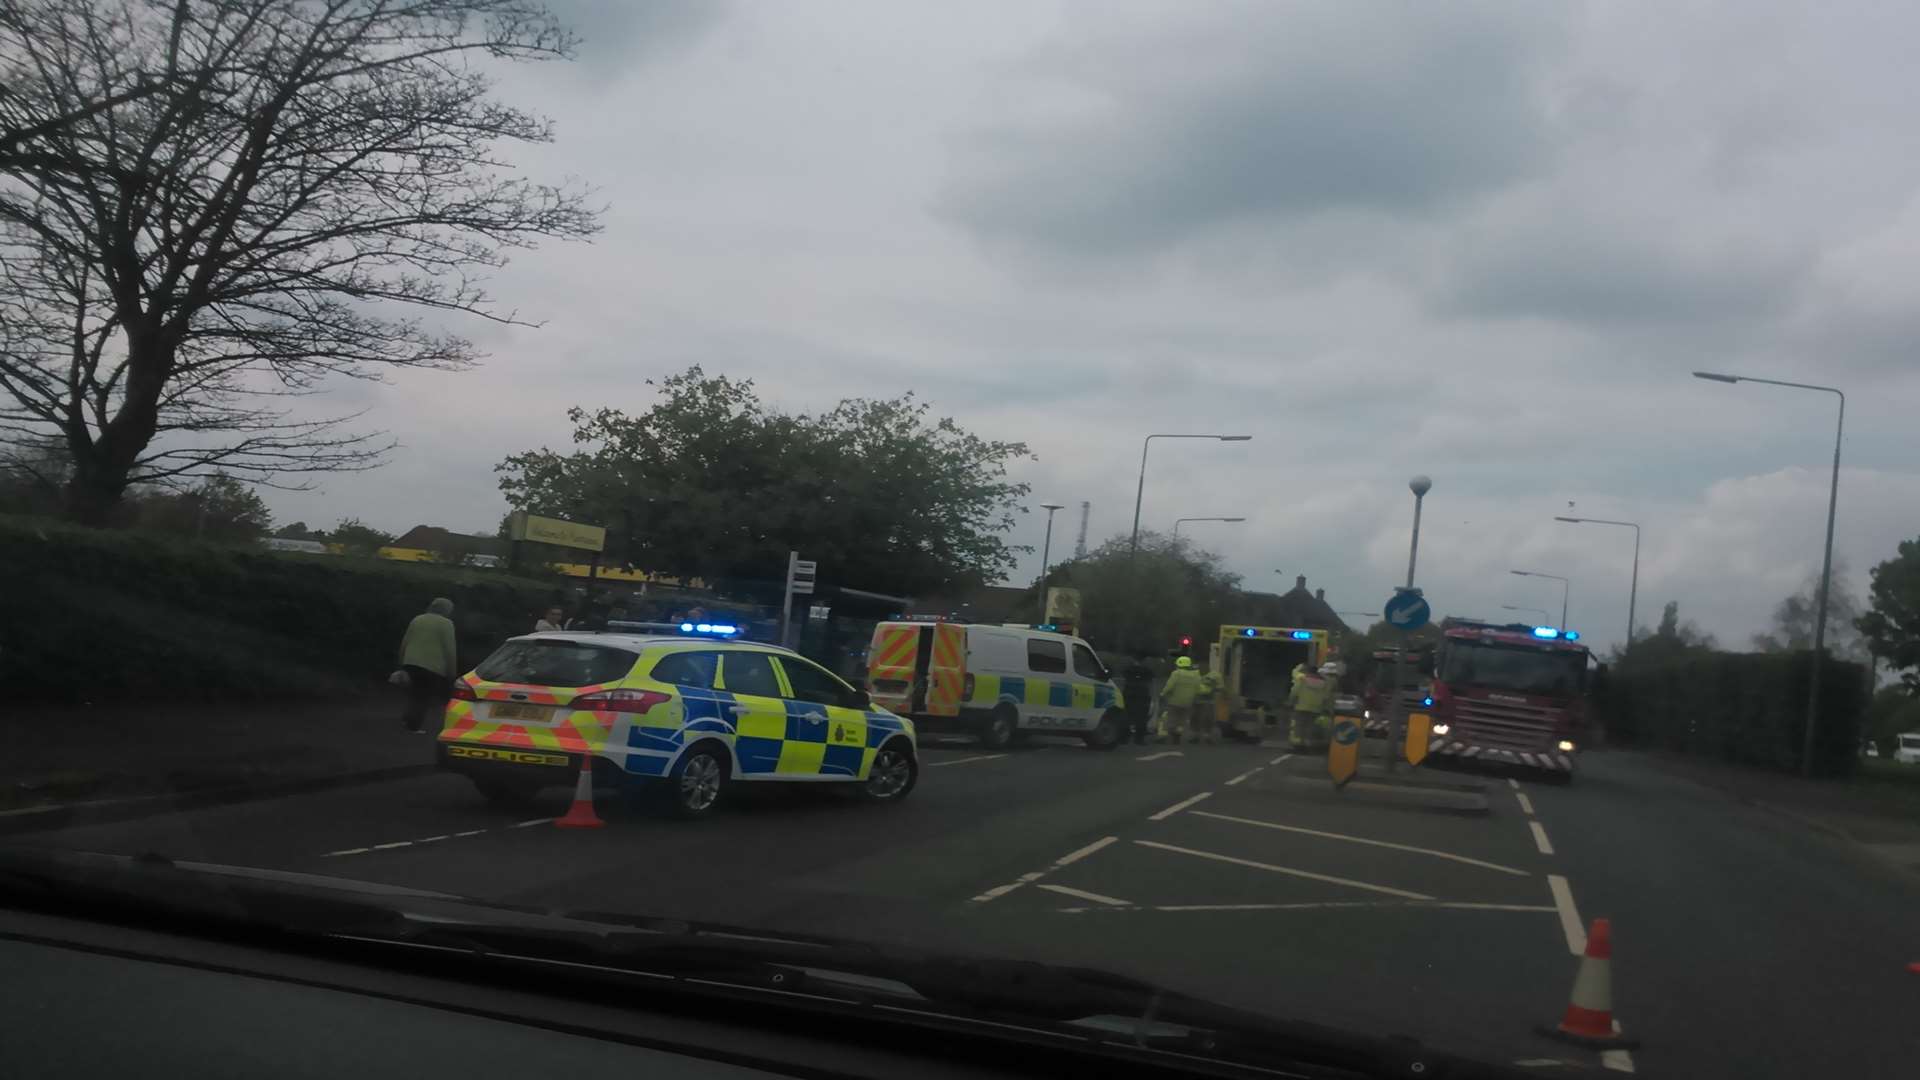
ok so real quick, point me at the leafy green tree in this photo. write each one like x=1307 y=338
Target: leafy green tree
x=1893 y=710
x=1671 y=640
x=711 y=481
x=1793 y=620
x=219 y=509
x=359 y=538
x=1891 y=625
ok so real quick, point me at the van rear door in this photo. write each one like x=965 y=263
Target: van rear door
x=895 y=660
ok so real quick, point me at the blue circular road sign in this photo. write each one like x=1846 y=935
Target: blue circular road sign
x=1407 y=610
x=1346 y=732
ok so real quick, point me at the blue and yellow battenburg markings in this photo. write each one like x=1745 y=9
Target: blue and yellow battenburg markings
x=1027 y=690
x=775 y=738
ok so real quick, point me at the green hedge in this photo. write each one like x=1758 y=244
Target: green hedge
x=1747 y=708
x=87 y=615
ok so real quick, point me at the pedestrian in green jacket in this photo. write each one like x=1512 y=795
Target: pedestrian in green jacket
x=429 y=656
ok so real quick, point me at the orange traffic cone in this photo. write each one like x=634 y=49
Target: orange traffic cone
x=1588 y=1020
x=580 y=815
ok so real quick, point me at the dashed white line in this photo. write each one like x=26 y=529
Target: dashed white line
x=997 y=892
x=1161 y=754
x=1081 y=894
x=1288 y=870
x=1245 y=775
x=526 y=824
x=1570 y=923
x=1179 y=806
x=1526 y=804
x=1617 y=1060
x=348 y=851
x=965 y=760
x=1327 y=905
x=470 y=832
x=1512 y=783
x=395 y=844
x=1075 y=856
x=1362 y=840
x=433 y=839
x=1279 y=759
x=1540 y=838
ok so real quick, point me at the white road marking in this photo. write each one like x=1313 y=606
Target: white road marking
x=348 y=851
x=1512 y=783
x=1363 y=840
x=965 y=760
x=1279 y=759
x=1570 y=923
x=1073 y=857
x=1540 y=838
x=997 y=892
x=1244 y=775
x=1080 y=894
x=1161 y=754
x=395 y=844
x=470 y=832
x=525 y=824
x=1617 y=1060
x=1330 y=905
x=432 y=839
x=1349 y=882
x=1526 y=804
x=1177 y=807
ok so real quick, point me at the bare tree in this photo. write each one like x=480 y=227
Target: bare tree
x=308 y=182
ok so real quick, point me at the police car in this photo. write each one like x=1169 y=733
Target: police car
x=679 y=715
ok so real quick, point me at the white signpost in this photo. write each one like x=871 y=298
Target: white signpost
x=799 y=583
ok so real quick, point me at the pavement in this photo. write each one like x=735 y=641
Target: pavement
x=1745 y=943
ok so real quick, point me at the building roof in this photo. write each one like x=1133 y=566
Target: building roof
x=435 y=538
x=1295 y=607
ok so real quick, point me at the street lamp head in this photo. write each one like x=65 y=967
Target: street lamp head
x=1053 y=506
x=1420 y=485
x=1235 y=438
x=1716 y=377
x=1233 y=519
x=1576 y=521
x=1520 y=573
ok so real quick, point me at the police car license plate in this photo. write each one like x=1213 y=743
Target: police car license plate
x=541 y=713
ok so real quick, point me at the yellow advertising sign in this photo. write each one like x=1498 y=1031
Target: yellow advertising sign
x=546 y=530
x=1419 y=730
x=1343 y=752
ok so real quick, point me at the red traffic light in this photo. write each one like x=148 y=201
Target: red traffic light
x=1185 y=641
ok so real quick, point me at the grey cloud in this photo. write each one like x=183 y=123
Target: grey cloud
x=617 y=34
x=1260 y=111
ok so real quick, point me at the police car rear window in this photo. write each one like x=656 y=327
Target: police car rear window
x=556 y=663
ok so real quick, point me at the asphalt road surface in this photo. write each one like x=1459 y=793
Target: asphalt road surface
x=1744 y=944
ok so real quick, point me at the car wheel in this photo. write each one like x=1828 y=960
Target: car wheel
x=1001 y=726
x=507 y=794
x=1107 y=733
x=697 y=782
x=892 y=775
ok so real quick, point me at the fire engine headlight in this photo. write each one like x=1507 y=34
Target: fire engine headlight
x=1366 y=714
x=1566 y=746
x=1439 y=729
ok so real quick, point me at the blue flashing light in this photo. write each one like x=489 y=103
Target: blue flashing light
x=1427 y=701
x=686 y=628
x=1249 y=632
x=1571 y=635
x=718 y=629
x=1547 y=632
x=1303 y=635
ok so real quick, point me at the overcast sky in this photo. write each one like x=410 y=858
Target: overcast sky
x=1483 y=242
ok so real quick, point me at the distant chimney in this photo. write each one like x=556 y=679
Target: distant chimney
x=1320 y=595
x=1300 y=582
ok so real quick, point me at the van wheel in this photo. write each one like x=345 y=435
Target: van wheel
x=1001 y=726
x=1106 y=734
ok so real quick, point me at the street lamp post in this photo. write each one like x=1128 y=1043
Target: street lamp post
x=1538 y=611
x=1046 y=551
x=1826 y=559
x=1564 y=589
x=1178 y=521
x=1140 y=489
x=1397 y=713
x=1633 y=588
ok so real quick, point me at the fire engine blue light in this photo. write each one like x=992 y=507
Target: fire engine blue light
x=1427 y=701
x=1572 y=635
x=1545 y=632
x=1249 y=632
x=686 y=628
x=1303 y=635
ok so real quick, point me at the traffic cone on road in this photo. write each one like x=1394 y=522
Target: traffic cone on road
x=580 y=815
x=1588 y=1020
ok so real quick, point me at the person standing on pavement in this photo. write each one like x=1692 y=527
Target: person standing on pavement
x=1136 y=687
x=1177 y=697
x=554 y=619
x=428 y=655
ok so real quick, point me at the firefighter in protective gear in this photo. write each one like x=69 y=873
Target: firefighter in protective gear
x=1312 y=704
x=1177 y=697
x=1206 y=727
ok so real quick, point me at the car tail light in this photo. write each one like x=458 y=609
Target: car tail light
x=463 y=691
x=621 y=701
